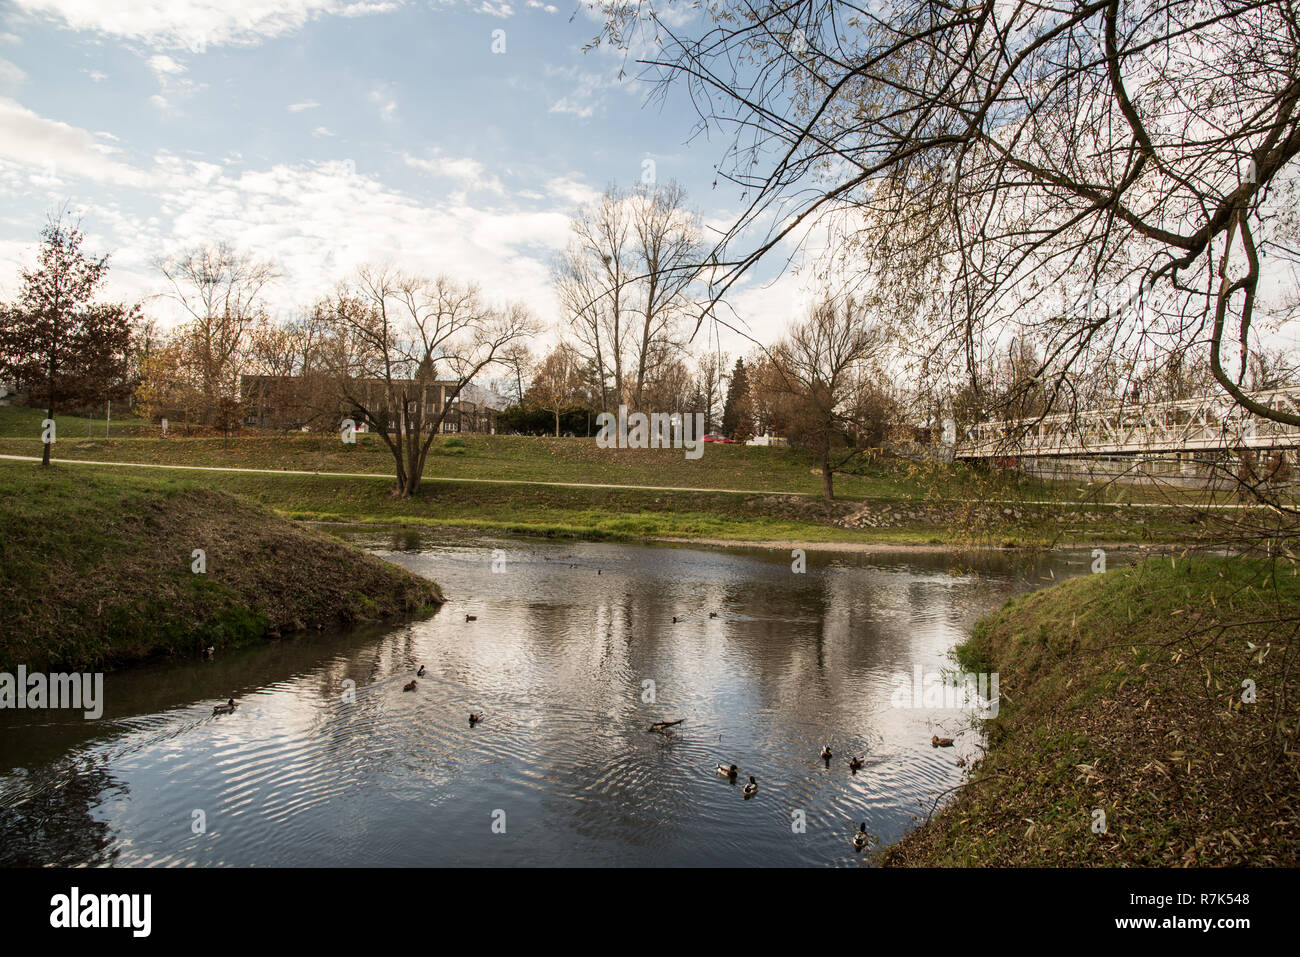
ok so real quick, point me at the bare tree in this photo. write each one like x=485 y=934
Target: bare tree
x=820 y=369
x=407 y=347
x=220 y=289
x=624 y=283
x=557 y=383
x=1112 y=177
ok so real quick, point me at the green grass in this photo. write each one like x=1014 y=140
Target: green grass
x=1122 y=693
x=96 y=570
x=541 y=459
x=631 y=514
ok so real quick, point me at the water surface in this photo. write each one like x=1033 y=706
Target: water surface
x=327 y=762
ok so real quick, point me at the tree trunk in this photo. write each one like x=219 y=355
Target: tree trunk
x=557 y=424
x=828 y=490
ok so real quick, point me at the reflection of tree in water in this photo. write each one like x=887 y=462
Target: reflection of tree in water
x=46 y=815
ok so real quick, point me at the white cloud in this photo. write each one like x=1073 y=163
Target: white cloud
x=96 y=76
x=195 y=23
x=384 y=100
x=464 y=170
x=11 y=77
x=586 y=92
x=56 y=149
x=10 y=38
x=323 y=131
x=502 y=10
x=304 y=105
x=164 y=66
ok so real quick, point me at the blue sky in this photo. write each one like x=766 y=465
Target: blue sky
x=329 y=133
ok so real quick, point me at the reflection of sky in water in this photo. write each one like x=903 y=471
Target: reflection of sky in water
x=558 y=659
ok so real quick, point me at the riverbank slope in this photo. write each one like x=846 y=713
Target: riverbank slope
x=98 y=569
x=1148 y=717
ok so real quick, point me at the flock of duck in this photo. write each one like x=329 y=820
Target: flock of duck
x=730 y=772
x=860 y=836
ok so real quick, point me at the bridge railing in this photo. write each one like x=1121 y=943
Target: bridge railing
x=1187 y=425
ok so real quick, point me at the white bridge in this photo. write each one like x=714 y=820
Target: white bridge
x=1213 y=423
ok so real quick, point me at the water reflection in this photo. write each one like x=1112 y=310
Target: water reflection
x=573 y=654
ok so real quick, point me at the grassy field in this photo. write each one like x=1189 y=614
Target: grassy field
x=1122 y=694
x=96 y=569
x=632 y=514
x=540 y=459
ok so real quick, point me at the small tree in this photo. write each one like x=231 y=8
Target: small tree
x=54 y=340
x=821 y=367
x=557 y=383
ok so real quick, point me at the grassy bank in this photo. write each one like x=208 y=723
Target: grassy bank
x=1122 y=694
x=637 y=514
x=96 y=570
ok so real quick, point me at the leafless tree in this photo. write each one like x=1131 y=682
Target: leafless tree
x=1105 y=176
x=220 y=290
x=624 y=283
x=407 y=346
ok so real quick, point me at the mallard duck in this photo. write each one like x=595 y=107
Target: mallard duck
x=855 y=764
x=938 y=742
x=227 y=708
x=471 y=617
x=860 y=838
x=410 y=686
x=209 y=652
x=420 y=673
x=674 y=619
x=751 y=788
x=713 y=614
x=728 y=772
x=475 y=717
x=826 y=753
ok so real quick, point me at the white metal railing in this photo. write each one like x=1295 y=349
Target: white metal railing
x=1188 y=425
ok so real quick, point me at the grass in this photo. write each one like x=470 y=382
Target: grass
x=633 y=514
x=97 y=570
x=540 y=459
x=1122 y=695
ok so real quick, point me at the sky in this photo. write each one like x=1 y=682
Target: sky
x=445 y=136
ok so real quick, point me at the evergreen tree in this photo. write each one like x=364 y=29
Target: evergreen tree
x=733 y=419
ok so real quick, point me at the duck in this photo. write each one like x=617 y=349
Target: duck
x=826 y=753
x=409 y=686
x=227 y=708
x=674 y=619
x=855 y=764
x=728 y=772
x=751 y=788
x=420 y=673
x=209 y=652
x=713 y=614
x=938 y=742
x=475 y=717
x=860 y=837
x=471 y=617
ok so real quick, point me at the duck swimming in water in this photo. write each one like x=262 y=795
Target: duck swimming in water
x=855 y=764
x=751 y=788
x=728 y=772
x=475 y=717
x=410 y=686
x=860 y=838
x=227 y=708
x=420 y=673
x=938 y=742
x=826 y=753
